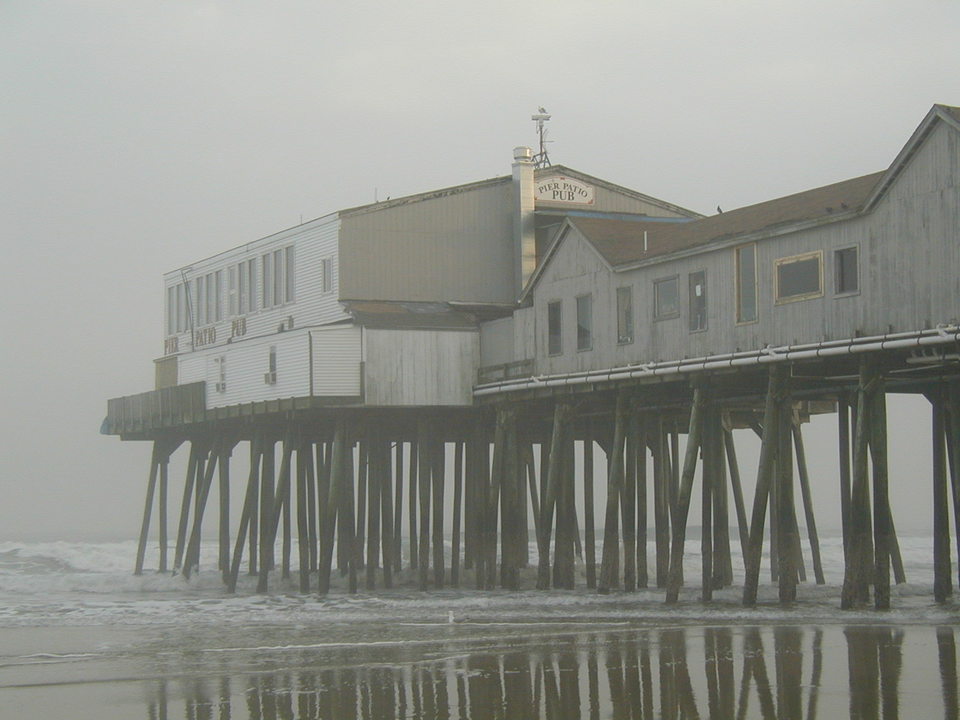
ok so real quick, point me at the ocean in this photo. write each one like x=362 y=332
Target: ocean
x=81 y=636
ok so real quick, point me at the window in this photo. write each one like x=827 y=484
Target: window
x=698 y=301
x=201 y=300
x=624 y=315
x=171 y=310
x=799 y=277
x=846 y=271
x=270 y=377
x=266 y=265
x=584 y=322
x=221 y=373
x=554 y=323
x=666 y=298
x=326 y=275
x=288 y=293
x=218 y=296
x=746 y=283
x=278 y=275
x=233 y=293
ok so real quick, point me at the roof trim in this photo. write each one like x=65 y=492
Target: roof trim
x=944 y=113
x=613 y=187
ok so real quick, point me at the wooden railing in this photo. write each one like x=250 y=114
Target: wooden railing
x=506 y=371
x=156 y=409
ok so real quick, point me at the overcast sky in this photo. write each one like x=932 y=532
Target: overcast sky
x=138 y=136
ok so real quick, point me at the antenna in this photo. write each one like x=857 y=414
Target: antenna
x=541 y=159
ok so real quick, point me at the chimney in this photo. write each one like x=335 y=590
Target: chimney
x=524 y=228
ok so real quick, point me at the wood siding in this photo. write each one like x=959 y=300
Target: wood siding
x=420 y=367
x=337 y=361
x=909 y=278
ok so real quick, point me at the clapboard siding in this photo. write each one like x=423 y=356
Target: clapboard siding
x=909 y=267
x=337 y=361
x=246 y=365
x=312 y=242
x=420 y=367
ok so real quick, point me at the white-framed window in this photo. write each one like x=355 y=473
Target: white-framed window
x=746 y=283
x=624 y=315
x=584 y=322
x=554 y=328
x=697 y=306
x=798 y=277
x=277 y=272
x=846 y=271
x=221 y=385
x=270 y=376
x=666 y=298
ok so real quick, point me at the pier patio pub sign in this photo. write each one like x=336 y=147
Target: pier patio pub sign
x=562 y=189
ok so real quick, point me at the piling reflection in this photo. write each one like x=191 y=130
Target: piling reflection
x=678 y=673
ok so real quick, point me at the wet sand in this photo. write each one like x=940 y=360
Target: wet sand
x=559 y=668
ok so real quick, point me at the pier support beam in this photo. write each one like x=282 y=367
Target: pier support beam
x=694 y=434
x=610 y=560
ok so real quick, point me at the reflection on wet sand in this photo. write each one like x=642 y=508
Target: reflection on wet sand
x=678 y=673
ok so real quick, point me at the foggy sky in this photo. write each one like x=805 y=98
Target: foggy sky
x=139 y=136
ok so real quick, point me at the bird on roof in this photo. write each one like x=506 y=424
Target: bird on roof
x=719 y=210
x=542 y=109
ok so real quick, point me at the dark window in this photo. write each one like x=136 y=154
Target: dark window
x=666 y=298
x=554 y=323
x=624 y=315
x=799 y=277
x=698 y=301
x=845 y=263
x=584 y=322
x=747 y=284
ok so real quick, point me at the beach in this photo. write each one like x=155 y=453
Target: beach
x=81 y=636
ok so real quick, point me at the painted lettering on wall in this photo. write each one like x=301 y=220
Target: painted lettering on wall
x=205 y=336
x=238 y=328
x=562 y=189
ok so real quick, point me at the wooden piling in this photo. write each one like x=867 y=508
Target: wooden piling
x=590 y=539
x=413 y=474
x=643 y=572
x=192 y=556
x=856 y=583
x=246 y=515
x=881 y=499
x=148 y=507
x=457 y=503
x=353 y=547
x=439 y=473
x=336 y=464
x=162 y=511
x=788 y=539
x=953 y=442
x=694 y=434
x=548 y=494
x=564 y=541
x=386 y=513
x=424 y=464
x=304 y=451
x=511 y=494
x=267 y=528
x=610 y=558
x=398 y=506
x=285 y=513
x=707 y=482
x=491 y=511
x=660 y=449
x=809 y=516
x=374 y=474
x=311 y=477
x=942 y=586
x=628 y=505
x=253 y=537
x=767 y=462
x=195 y=454
x=363 y=474
x=734 y=468
x=223 y=494
x=723 y=561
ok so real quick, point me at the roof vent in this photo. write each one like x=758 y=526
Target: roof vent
x=522 y=153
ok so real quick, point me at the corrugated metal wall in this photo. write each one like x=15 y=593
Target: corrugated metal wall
x=454 y=247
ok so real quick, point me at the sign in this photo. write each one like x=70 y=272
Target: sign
x=562 y=189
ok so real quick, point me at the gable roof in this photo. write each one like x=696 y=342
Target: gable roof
x=622 y=243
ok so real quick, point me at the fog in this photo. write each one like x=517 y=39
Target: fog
x=137 y=137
